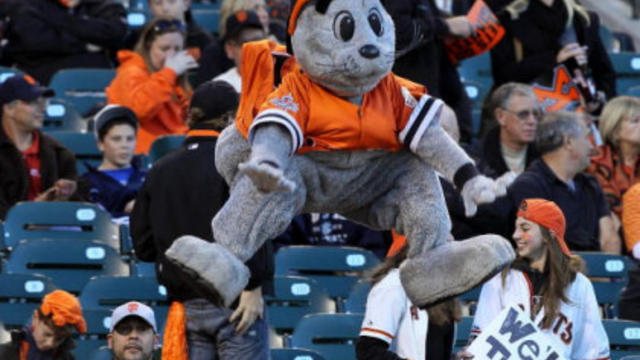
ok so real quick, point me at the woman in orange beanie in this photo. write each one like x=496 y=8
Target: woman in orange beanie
x=49 y=335
x=546 y=282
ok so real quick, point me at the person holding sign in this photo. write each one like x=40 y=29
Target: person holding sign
x=545 y=281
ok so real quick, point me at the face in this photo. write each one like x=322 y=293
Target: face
x=169 y=9
x=27 y=115
x=260 y=7
x=519 y=119
x=580 y=148
x=132 y=339
x=629 y=131
x=44 y=335
x=164 y=46
x=349 y=49
x=234 y=48
x=528 y=238
x=118 y=146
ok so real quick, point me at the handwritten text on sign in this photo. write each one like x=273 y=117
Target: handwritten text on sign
x=513 y=336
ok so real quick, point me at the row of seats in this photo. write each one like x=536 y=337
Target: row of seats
x=205 y=17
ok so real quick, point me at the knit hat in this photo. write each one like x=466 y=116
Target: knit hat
x=64 y=309
x=546 y=213
x=214 y=98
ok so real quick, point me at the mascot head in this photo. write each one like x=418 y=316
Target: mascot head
x=347 y=46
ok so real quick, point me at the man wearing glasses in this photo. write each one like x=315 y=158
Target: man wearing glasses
x=33 y=166
x=133 y=335
x=506 y=147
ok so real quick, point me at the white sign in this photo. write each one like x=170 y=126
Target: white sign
x=512 y=335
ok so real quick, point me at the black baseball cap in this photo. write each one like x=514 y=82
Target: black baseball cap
x=22 y=87
x=113 y=112
x=244 y=19
x=214 y=98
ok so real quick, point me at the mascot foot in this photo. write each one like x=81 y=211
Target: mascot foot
x=454 y=268
x=219 y=275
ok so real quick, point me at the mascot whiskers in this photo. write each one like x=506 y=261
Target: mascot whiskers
x=342 y=134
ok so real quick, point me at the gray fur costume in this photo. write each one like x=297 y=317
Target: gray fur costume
x=347 y=47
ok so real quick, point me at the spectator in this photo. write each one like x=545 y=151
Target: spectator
x=545 y=281
x=49 y=335
x=630 y=297
x=115 y=183
x=133 y=333
x=45 y=36
x=531 y=47
x=421 y=56
x=278 y=15
x=180 y=196
x=214 y=60
x=617 y=166
x=242 y=27
x=563 y=142
x=152 y=81
x=33 y=166
x=506 y=147
x=196 y=39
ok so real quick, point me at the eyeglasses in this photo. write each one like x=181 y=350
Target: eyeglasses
x=125 y=328
x=524 y=115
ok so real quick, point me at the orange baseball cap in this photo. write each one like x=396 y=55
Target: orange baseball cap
x=64 y=309
x=546 y=213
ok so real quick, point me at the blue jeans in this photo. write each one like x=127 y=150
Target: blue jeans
x=210 y=335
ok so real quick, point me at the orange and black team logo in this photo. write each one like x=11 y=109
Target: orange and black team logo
x=132 y=307
x=561 y=94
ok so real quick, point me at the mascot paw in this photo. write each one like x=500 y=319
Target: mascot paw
x=453 y=268
x=480 y=190
x=267 y=177
x=218 y=275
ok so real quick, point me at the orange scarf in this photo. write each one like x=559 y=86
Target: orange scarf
x=174 y=345
x=24 y=350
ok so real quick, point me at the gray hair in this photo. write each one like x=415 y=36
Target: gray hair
x=555 y=128
x=501 y=96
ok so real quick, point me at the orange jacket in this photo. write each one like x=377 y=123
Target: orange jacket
x=614 y=177
x=156 y=98
x=631 y=216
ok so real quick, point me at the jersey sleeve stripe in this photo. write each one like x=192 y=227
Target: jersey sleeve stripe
x=282 y=118
x=434 y=109
x=412 y=119
x=375 y=333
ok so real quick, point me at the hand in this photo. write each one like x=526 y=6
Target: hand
x=128 y=208
x=460 y=26
x=250 y=307
x=480 y=190
x=181 y=62
x=266 y=176
x=60 y=191
x=573 y=50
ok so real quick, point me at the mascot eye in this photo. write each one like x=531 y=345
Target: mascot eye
x=344 y=26
x=375 y=21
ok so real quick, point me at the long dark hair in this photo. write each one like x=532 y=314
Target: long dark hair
x=561 y=271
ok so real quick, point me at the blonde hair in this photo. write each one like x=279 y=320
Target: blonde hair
x=517 y=7
x=614 y=112
x=228 y=8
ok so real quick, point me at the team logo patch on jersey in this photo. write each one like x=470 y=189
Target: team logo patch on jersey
x=409 y=100
x=286 y=103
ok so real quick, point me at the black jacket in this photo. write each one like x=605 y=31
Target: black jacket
x=44 y=36
x=421 y=55
x=488 y=155
x=182 y=193
x=11 y=350
x=56 y=162
x=539 y=29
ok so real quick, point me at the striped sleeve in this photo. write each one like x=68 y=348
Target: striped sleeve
x=280 y=117
x=424 y=113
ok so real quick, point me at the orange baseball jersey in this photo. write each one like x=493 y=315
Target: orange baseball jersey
x=394 y=114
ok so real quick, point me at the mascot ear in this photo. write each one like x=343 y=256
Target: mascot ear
x=322 y=5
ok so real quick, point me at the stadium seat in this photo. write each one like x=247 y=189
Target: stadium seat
x=613 y=268
x=207 y=18
x=295 y=354
x=83 y=145
x=624 y=337
x=331 y=335
x=137 y=18
x=607 y=38
x=478 y=69
x=627 y=68
x=143 y=268
x=108 y=292
x=20 y=295
x=164 y=145
x=68 y=262
x=84 y=88
x=139 y=5
x=7 y=72
x=294 y=297
x=463 y=330
x=356 y=303
x=101 y=353
x=98 y=326
x=59 y=220
x=633 y=91
x=62 y=116
x=333 y=267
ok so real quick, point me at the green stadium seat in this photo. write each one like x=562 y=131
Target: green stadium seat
x=624 y=337
x=356 y=303
x=98 y=325
x=627 y=68
x=59 y=220
x=463 y=330
x=295 y=354
x=163 y=145
x=613 y=268
x=83 y=145
x=20 y=295
x=62 y=116
x=84 y=88
x=331 y=335
x=70 y=263
x=207 y=18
